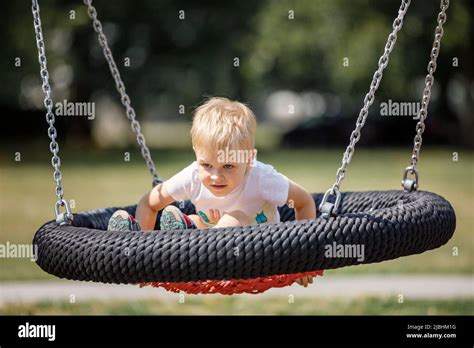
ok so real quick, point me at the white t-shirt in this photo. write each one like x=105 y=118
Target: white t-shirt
x=261 y=191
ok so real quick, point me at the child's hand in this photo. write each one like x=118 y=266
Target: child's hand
x=304 y=281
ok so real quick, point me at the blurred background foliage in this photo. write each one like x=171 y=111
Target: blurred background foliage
x=289 y=52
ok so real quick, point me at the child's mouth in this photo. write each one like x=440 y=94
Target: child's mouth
x=218 y=187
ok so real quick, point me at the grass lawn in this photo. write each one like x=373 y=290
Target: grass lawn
x=235 y=306
x=102 y=179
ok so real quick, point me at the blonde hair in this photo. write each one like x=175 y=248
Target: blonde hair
x=221 y=123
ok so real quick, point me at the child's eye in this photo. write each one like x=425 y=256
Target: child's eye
x=206 y=165
x=228 y=166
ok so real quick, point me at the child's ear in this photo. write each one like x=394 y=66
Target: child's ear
x=254 y=156
x=251 y=158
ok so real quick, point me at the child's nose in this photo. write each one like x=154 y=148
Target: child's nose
x=216 y=174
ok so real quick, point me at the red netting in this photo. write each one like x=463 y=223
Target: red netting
x=230 y=287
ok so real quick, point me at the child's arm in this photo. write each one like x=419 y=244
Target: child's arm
x=151 y=204
x=302 y=202
x=305 y=208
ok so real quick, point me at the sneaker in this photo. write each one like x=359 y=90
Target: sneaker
x=123 y=221
x=173 y=219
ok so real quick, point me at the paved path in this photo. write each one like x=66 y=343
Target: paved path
x=411 y=286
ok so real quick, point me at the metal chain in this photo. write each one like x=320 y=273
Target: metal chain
x=67 y=217
x=125 y=99
x=330 y=209
x=409 y=184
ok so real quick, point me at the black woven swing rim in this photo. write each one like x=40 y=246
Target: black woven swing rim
x=388 y=224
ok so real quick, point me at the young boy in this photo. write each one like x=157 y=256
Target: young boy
x=226 y=184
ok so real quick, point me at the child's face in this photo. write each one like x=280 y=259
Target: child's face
x=219 y=174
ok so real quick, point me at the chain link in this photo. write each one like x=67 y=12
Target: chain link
x=50 y=118
x=327 y=208
x=120 y=86
x=429 y=79
x=370 y=96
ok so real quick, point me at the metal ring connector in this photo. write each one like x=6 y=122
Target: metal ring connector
x=63 y=218
x=410 y=185
x=326 y=208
